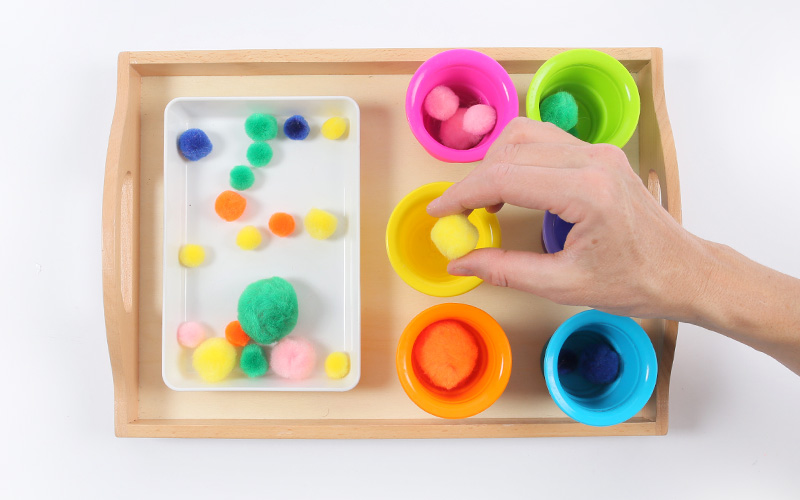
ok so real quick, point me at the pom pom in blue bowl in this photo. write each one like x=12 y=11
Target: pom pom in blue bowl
x=296 y=128
x=194 y=144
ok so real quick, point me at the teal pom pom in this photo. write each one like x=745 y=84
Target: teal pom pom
x=261 y=127
x=259 y=154
x=268 y=310
x=252 y=361
x=560 y=109
x=242 y=177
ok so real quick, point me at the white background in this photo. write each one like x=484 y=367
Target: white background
x=732 y=85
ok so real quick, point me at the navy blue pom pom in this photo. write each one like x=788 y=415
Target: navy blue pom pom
x=296 y=128
x=599 y=364
x=194 y=144
x=567 y=362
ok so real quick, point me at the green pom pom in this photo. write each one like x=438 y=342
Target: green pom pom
x=242 y=177
x=268 y=310
x=253 y=362
x=560 y=109
x=259 y=154
x=261 y=127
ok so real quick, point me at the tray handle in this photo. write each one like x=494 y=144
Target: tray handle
x=120 y=243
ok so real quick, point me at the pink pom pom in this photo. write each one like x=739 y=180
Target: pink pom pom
x=453 y=135
x=480 y=119
x=191 y=334
x=293 y=358
x=441 y=103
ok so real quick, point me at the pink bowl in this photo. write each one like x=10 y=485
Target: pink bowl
x=477 y=79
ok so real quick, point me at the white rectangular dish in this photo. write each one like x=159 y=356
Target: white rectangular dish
x=311 y=173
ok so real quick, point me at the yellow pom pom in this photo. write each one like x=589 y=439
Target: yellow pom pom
x=214 y=359
x=455 y=236
x=337 y=365
x=334 y=128
x=320 y=224
x=191 y=255
x=248 y=238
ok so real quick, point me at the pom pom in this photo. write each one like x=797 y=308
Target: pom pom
x=261 y=127
x=567 y=362
x=599 y=364
x=214 y=359
x=453 y=135
x=441 y=103
x=235 y=335
x=242 y=177
x=230 y=205
x=454 y=236
x=293 y=358
x=479 y=119
x=337 y=365
x=259 y=154
x=320 y=224
x=191 y=255
x=194 y=144
x=252 y=361
x=268 y=310
x=560 y=109
x=249 y=237
x=281 y=224
x=190 y=334
x=296 y=128
x=446 y=352
x=334 y=128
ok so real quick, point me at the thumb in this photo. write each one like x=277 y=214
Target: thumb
x=543 y=275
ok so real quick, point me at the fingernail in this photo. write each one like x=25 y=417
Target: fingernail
x=460 y=271
x=432 y=205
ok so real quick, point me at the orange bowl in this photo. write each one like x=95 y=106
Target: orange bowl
x=487 y=381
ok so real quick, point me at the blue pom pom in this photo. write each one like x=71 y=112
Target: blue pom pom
x=194 y=144
x=567 y=362
x=296 y=128
x=599 y=364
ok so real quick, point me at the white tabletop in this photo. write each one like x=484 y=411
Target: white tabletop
x=732 y=85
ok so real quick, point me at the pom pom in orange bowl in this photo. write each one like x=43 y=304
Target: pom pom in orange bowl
x=439 y=368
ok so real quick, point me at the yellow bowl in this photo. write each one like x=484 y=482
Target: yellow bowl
x=413 y=255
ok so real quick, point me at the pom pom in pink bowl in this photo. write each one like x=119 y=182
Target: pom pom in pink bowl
x=477 y=79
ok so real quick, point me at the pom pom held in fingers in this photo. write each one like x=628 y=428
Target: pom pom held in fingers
x=194 y=144
x=454 y=236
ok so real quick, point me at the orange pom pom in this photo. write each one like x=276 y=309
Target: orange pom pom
x=446 y=352
x=230 y=205
x=281 y=224
x=235 y=334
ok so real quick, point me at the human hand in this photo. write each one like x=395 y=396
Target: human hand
x=625 y=254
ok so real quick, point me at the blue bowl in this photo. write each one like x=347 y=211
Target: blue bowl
x=554 y=232
x=602 y=404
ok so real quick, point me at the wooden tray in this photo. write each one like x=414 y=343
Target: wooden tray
x=393 y=164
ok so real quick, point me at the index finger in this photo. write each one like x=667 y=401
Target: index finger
x=523 y=130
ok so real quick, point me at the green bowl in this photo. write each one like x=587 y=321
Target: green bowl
x=607 y=96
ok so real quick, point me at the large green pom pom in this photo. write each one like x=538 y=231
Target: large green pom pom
x=268 y=310
x=560 y=109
